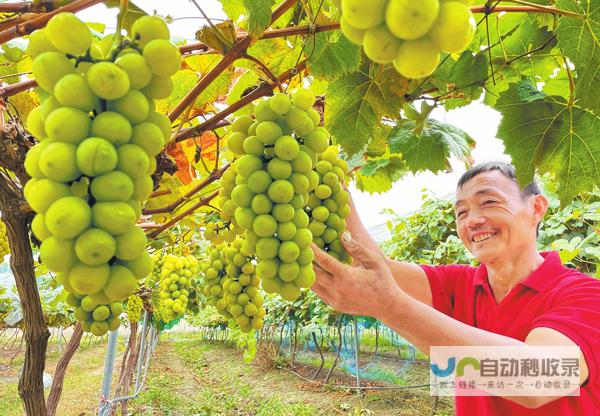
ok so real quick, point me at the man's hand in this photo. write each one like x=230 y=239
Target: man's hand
x=366 y=288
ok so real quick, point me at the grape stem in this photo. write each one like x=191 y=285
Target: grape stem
x=529 y=8
x=547 y=9
x=120 y=18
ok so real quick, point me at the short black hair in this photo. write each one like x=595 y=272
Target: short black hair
x=506 y=169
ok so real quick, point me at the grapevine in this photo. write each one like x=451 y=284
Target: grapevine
x=134 y=308
x=409 y=34
x=98 y=137
x=4 y=248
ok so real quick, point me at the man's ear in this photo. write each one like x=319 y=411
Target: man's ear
x=540 y=206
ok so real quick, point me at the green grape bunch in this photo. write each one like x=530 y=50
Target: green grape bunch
x=328 y=205
x=220 y=231
x=276 y=152
x=134 y=308
x=177 y=277
x=232 y=286
x=409 y=34
x=98 y=136
x=4 y=248
x=95 y=317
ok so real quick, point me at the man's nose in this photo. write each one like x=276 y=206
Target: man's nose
x=475 y=220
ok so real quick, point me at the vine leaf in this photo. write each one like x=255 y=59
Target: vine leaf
x=431 y=147
x=331 y=55
x=221 y=37
x=579 y=40
x=378 y=174
x=546 y=133
x=259 y=15
x=357 y=102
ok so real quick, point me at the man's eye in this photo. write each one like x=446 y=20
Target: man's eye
x=488 y=201
x=459 y=214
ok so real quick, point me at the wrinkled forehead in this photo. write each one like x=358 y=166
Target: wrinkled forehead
x=493 y=182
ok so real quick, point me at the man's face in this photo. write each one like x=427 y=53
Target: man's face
x=493 y=220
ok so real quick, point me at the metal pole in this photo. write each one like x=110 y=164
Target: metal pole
x=109 y=363
x=60 y=335
x=141 y=353
x=356 y=347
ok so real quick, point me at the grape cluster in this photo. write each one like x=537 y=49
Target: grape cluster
x=177 y=276
x=328 y=205
x=134 y=308
x=232 y=286
x=95 y=317
x=98 y=137
x=276 y=155
x=219 y=232
x=4 y=248
x=410 y=34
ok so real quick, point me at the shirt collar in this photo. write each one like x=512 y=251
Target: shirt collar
x=538 y=280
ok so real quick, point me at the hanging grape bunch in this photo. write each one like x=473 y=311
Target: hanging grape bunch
x=410 y=34
x=134 y=308
x=232 y=286
x=98 y=137
x=177 y=276
x=328 y=205
x=4 y=249
x=219 y=232
x=276 y=155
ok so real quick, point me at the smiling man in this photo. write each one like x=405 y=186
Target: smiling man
x=516 y=297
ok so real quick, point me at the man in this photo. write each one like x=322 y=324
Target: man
x=517 y=297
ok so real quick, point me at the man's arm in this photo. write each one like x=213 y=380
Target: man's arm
x=409 y=277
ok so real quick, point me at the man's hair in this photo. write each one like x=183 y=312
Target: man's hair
x=507 y=170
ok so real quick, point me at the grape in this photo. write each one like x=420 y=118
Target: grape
x=352 y=33
x=141 y=267
x=280 y=103
x=286 y=148
x=72 y=91
x=88 y=280
x=95 y=247
x=410 y=20
x=268 y=132
x=49 y=67
x=176 y=277
x=259 y=181
x=96 y=156
x=4 y=248
x=113 y=127
x=133 y=105
x=35 y=124
x=148 y=28
x=131 y=245
x=163 y=58
x=68 y=125
x=42 y=193
x=163 y=123
x=114 y=217
x=69 y=34
x=39 y=43
x=132 y=160
x=68 y=217
x=364 y=14
x=417 y=58
x=38 y=227
x=107 y=80
x=120 y=284
x=454 y=28
x=380 y=45
x=143 y=187
x=112 y=187
x=303 y=99
x=235 y=143
x=136 y=68
x=149 y=137
x=159 y=87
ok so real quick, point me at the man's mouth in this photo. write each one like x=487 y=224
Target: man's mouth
x=482 y=237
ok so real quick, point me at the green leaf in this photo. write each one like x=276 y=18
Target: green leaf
x=378 y=174
x=233 y=8
x=432 y=147
x=331 y=55
x=259 y=16
x=546 y=133
x=579 y=40
x=221 y=37
x=357 y=102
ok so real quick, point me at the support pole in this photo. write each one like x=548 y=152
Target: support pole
x=356 y=356
x=109 y=363
x=141 y=353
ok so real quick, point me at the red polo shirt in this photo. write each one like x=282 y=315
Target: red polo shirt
x=553 y=296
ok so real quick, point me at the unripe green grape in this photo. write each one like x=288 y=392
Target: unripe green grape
x=279 y=169
x=242 y=124
x=380 y=45
x=301 y=219
x=39 y=43
x=259 y=181
x=131 y=245
x=38 y=227
x=296 y=118
x=455 y=27
x=352 y=33
x=96 y=156
x=44 y=192
x=417 y=59
x=244 y=217
x=114 y=217
x=264 y=225
x=72 y=91
x=32 y=166
x=286 y=148
x=58 y=255
x=302 y=163
x=267 y=248
x=410 y=20
x=268 y=132
x=159 y=87
x=317 y=141
x=49 y=67
x=113 y=127
x=286 y=231
x=108 y=81
x=95 y=247
x=148 y=28
x=68 y=125
x=263 y=112
x=35 y=124
x=290 y=291
x=280 y=103
x=69 y=34
x=235 y=142
x=261 y=204
x=248 y=164
x=162 y=122
x=306 y=277
x=163 y=58
x=132 y=160
x=137 y=70
x=363 y=14
x=253 y=146
x=133 y=106
x=120 y=283
x=300 y=183
x=288 y=251
x=281 y=191
x=112 y=187
x=149 y=137
x=288 y=271
x=88 y=280
x=68 y=217
x=242 y=196
x=317 y=228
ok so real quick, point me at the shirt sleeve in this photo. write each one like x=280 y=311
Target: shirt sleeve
x=443 y=281
x=575 y=313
